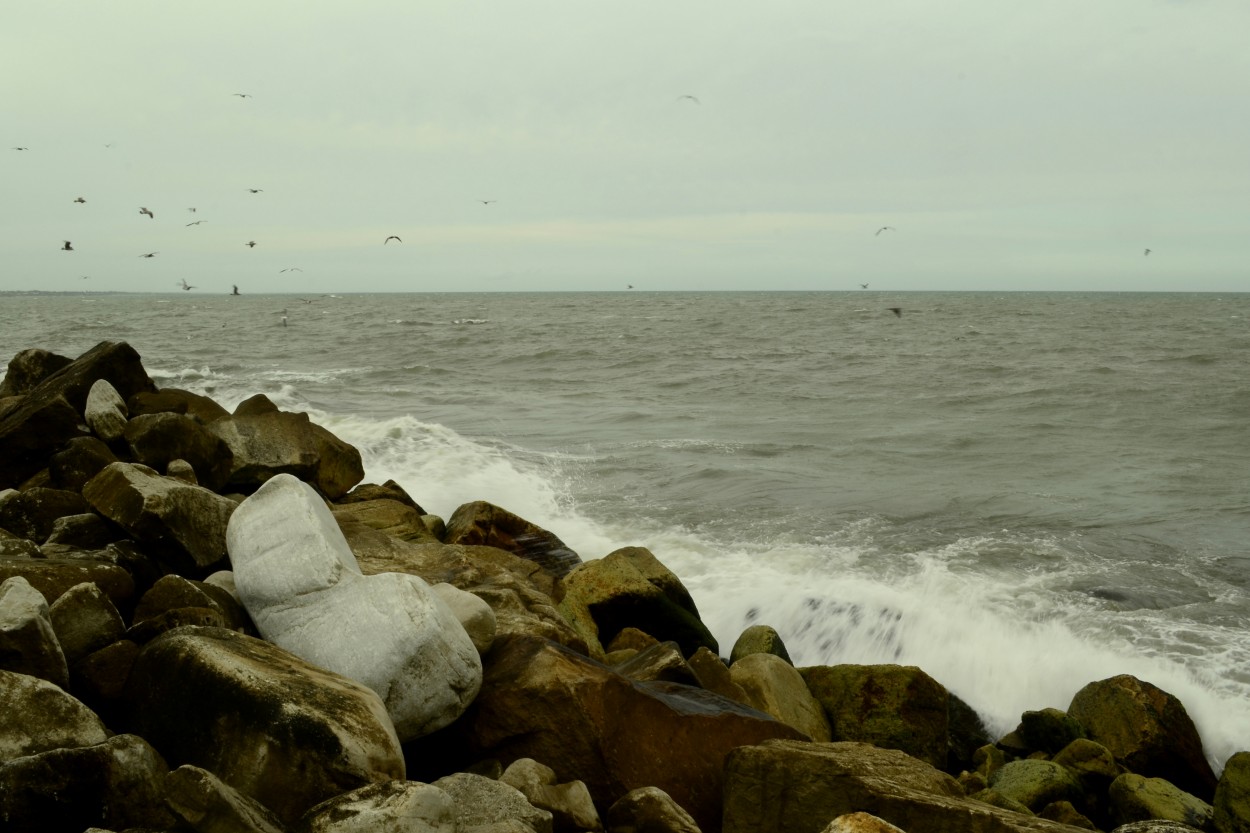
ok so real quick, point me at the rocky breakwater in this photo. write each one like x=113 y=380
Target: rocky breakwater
x=208 y=623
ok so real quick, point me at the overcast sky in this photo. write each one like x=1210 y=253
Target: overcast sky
x=1008 y=145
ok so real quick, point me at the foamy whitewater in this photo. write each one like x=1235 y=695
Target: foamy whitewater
x=1020 y=493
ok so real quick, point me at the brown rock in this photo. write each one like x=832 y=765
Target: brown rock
x=39 y=716
x=631 y=638
x=85 y=620
x=32 y=513
x=86 y=531
x=714 y=675
x=156 y=440
x=176 y=401
x=484 y=524
x=79 y=460
x=388 y=516
x=772 y=685
x=53 y=576
x=649 y=810
x=277 y=442
x=206 y=803
x=28 y=368
x=758 y=639
x=27 y=640
x=662 y=661
x=390 y=490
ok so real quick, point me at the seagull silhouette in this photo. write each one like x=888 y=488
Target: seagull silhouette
x=21 y=148
x=192 y=210
x=251 y=244
x=79 y=199
x=487 y=202
x=898 y=311
x=690 y=97
x=290 y=269
x=241 y=95
x=186 y=285
x=150 y=254
x=256 y=190
x=67 y=247
x=236 y=289
x=1147 y=251
x=389 y=239
x=196 y=223
x=863 y=286
x=147 y=212
x=884 y=228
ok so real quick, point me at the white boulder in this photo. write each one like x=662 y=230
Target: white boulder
x=300 y=582
x=105 y=411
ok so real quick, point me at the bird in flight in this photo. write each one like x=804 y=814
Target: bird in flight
x=389 y=239
x=150 y=254
x=251 y=244
x=884 y=228
x=290 y=269
x=487 y=202
x=690 y=97
x=863 y=286
x=84 y=278
x=21 y=148
x=196 y=223
x=256 y=190
x=67 y=247
x=236 y=289
x=186 y=285
x=147 y=212
x=241 y=95
x=1147 y=252
x=192 y=210
x=629 y=286
x=79 y=199
x=898 y=311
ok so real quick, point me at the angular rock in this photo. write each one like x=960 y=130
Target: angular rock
x=773 y=685
x=473 y=614
x=85 y=531
x=390 y=490
x=631 y=588
x=570 y=805
x=118 y=783
x=48 y=415
x=187 y=523
x=32 y=513
x=175 y=592
x=1147 y=729
x=53 y=576
x=1037 y=783
x=758 y=639
x=1232 y=796
x=891 y=706
x=482 y=801
x=206 y=804
x=176 y=401
x=256 y=405
x=304 y=590
x=860 y=823
x=105 y=411
x=631 y=639
x=157 y=440
x=39 y=716
x=540 y=700
x=1092 y=764
x=800 y=787
x=253 y=714
x=391 y=807
x=714 y=675
x=649 y=810
x=484 y=524
x=396 y=519
x=1065 y=813
x=100 y=677
x=28 y=368
x=278 y=442
x=1049 y=730
x=1134 y=797
x=12 y=546
x=27 y=640
x=79 y=460
x=661 y=662
x=85 y=620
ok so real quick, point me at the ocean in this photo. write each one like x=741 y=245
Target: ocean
x=1020 y=493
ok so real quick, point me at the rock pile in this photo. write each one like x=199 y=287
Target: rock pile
x=208 y=623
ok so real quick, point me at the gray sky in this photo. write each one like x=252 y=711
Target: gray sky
x=1012 y=146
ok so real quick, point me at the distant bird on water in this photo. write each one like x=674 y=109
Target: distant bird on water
x=689 y=98
x=389 y=239
x=884 y=228
x=150 y=254
x=251 y=244
x=79 y=199
x=1147 y=252
x=236 y=289
x=196 y=223
x=67 y=247
x=147 y=212
x=898 y=311
x=186 y=285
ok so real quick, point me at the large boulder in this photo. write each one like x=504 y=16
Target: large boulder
x=773 y=685
x=1232 y=796
x=1036 y=783
x=1147 y=729
x=278 y=442
x=79 y=460
x=649 y=810
x=176 y=401
x=85 y=620
x=50 y=413
x=301 y=584
x=758 y=639
x=53 y=576
x=793 y=787
x=206 y=804
x=28 y=642
x=254 y=714
x=31 y=513
x=540 y=700
x=28 y=368
x=392 y=807
x=484 y=524
x=483 y=802
x=156 y=440
x=392 y=517
x=40 y=716
x=187 y=523
x=631 y=588
x=105 y=411
x=1134 y=797
x=571 y=807
x=892 y=706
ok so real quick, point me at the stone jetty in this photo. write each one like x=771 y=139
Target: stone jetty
x=208 y=622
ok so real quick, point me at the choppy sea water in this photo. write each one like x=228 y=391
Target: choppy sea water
x=1018 y=492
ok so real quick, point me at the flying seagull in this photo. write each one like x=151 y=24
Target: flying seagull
x=898 y=311
x=251 y=244
x=241 y=95
x=1147 y=251
x=196 y=223
x=236 y=289
x=79 y=199
x=256 y=190
x=67 y=247
x=85 y=278
x=690 y=97
x=21 y=148
x=863 y=286
x=149 y=213
x=884 y=228
x=389 y=239
x=192 y=210
x=290 y=269
x=186 y=285
x=487 y=202
x=150 y=254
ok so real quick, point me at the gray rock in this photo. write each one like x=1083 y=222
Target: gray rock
x=53 y=576
x=105 y=411
x=304 y=590
x=86 y=531
x=79 y=460
x=484 y=524
x=649 y=810
x=758 y=639
x=31 y=513
x=85 y=620
x=473 y=614
x=253 y=714
x=27 y=640
x=40 y=716
x=483 y=801
x=392 y=807
x=571 y=807
x=276 y=442
x=206 y=804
